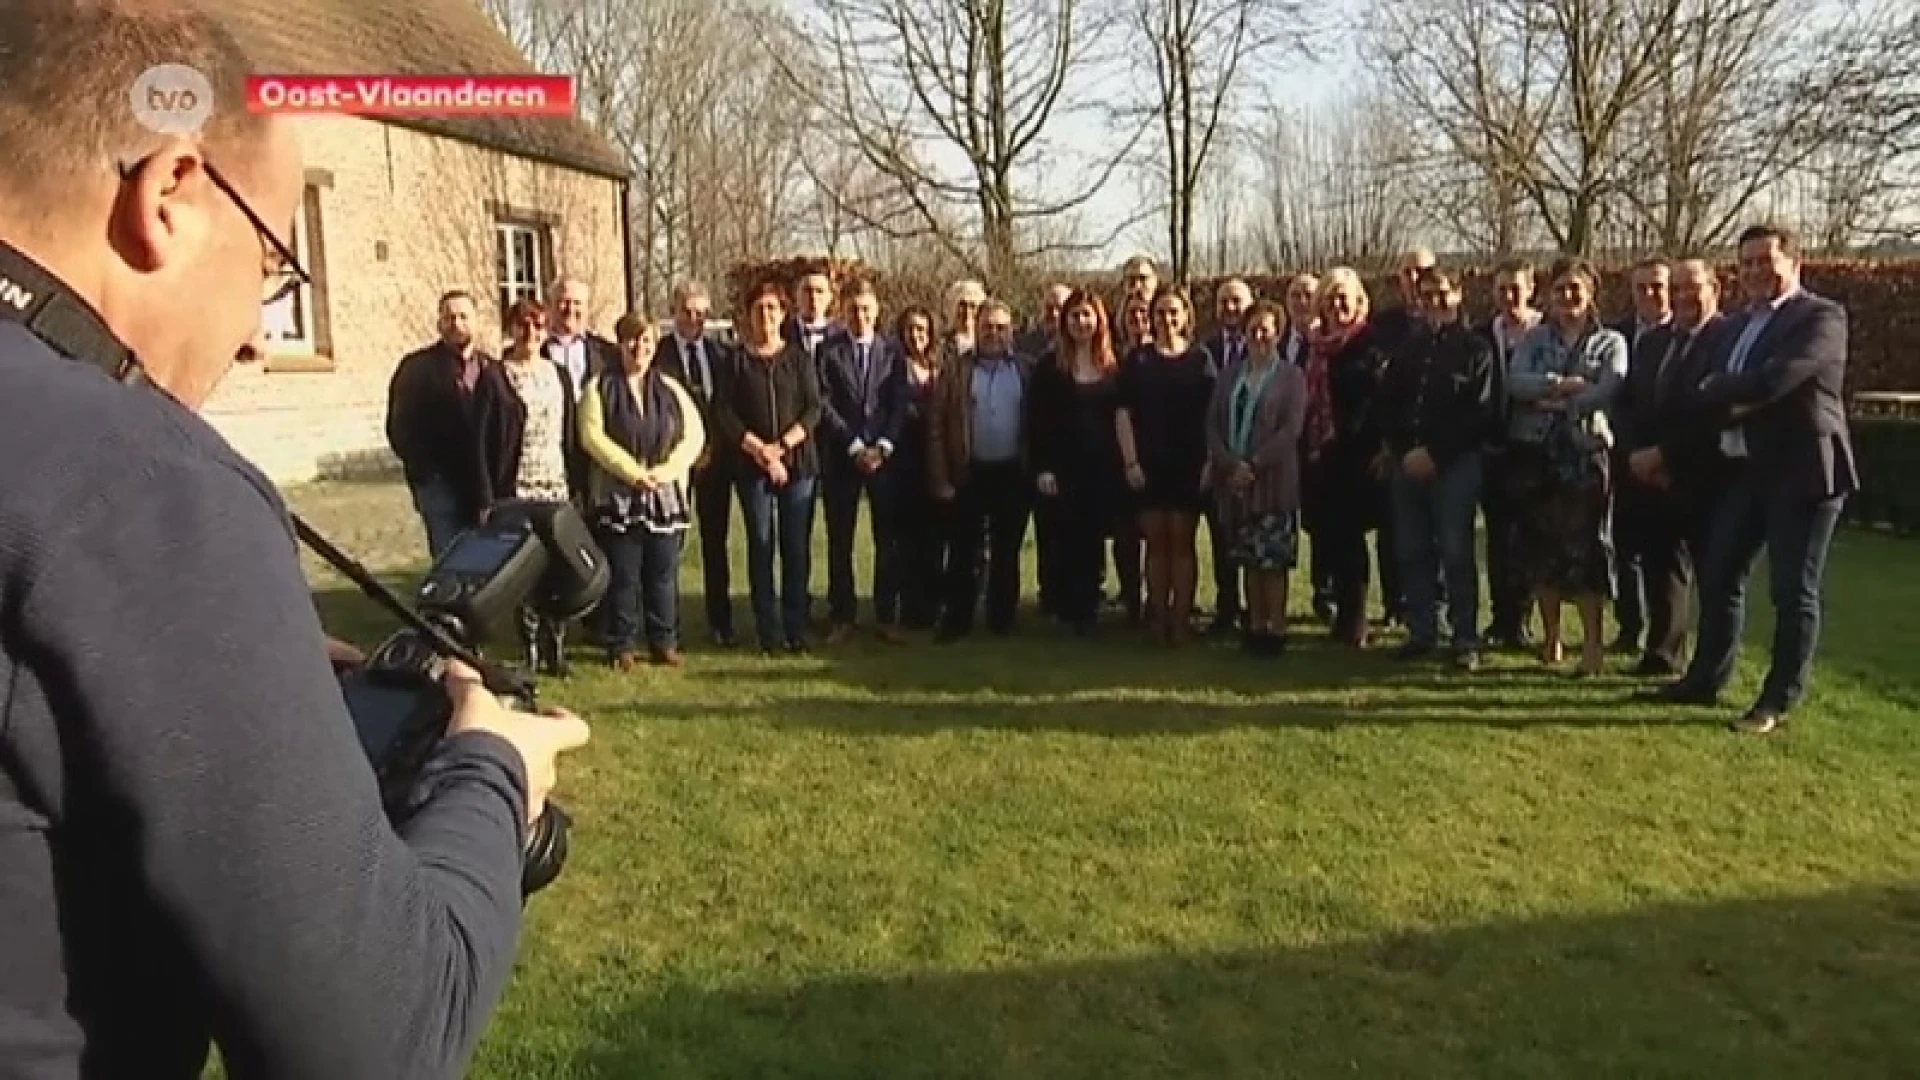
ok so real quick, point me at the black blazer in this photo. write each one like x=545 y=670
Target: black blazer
x=429 y=417
x=767 y=397
x=1790 y=395
x=790 y=333
x=602 y=355
x=870 y=410
x=499 y=432
x=669 y=359
x=1216 y=346
x=1660 y=406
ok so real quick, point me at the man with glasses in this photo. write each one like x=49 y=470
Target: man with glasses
x=191 y=840
x=977 y=445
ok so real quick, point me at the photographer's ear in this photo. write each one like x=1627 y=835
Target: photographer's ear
x=163 y=212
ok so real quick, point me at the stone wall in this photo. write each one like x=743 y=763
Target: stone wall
x=396 y=218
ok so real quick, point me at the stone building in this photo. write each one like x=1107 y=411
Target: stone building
x=399 y=210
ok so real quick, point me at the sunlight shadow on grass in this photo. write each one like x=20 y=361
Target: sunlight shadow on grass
x=1793 y=986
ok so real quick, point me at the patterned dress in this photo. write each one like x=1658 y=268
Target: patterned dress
x=543 y=464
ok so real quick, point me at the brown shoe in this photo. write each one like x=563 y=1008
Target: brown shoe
x=667 y=657
x=840 y=634
x=1759 y=722
x=892 y=635
x=625 y=661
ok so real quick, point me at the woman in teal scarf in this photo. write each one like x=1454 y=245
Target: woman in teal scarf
x=1253 y=439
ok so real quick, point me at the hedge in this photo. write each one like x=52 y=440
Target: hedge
x=1888 y=449
x=1882 y=301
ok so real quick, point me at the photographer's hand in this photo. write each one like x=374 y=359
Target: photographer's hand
x=538 y=738
x=344 y=656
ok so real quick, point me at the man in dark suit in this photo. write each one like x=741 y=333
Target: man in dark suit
x=430 y=424
x=1225 y=346
x=571 y=344
x=699 y=362
x=1651 y=283
x=863 y=406
x=1791 y=467
x=1672 y=454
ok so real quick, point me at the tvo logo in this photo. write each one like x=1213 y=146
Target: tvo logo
x=172 y=99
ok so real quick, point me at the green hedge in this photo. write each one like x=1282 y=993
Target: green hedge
x=1888 y=449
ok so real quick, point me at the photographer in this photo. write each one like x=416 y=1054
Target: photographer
x=192 y=847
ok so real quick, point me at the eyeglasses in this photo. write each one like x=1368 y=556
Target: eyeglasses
x=280 y=267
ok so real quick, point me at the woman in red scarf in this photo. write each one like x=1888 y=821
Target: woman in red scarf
x=1341 y=445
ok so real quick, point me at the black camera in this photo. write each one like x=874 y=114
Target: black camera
x=537 y=554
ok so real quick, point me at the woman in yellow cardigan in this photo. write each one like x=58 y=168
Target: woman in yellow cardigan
x=643 y=433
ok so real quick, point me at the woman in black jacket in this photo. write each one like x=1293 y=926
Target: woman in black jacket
x=529 y=448
x=1345 y=496
x=763 y=420
x=1076 y=455
x=922 y=521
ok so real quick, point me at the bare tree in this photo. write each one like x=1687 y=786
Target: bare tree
x=1329 y=195
x=1201 y=54
x=954 y=103
x=1539 y=93
x=686 y=91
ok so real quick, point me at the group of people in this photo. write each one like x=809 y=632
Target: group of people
x=1608 y=462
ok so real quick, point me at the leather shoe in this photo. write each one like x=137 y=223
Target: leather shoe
x=1759 y=722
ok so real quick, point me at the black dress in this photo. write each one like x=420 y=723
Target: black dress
x=1166 y=398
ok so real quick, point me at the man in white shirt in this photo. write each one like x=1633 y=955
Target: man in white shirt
x=571 y=344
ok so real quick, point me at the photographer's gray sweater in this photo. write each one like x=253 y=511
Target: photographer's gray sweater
x=191 y=844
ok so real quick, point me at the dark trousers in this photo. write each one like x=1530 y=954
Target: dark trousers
x=1393 y=592
x=842 y=487
x=1344 y=502
x=1081 y=521
x=1047 y=528
x=990 y=514
x=1048 y=554
x=779 y=525
x=1129 y=566
x=1508 y=594
x=1632 y=581
x=1433 y=530
x=1226 y=576
x=1797 y=534
x=1651 y=526
x=643 y=589
x=439 y=510
x=924 y=533
x=713 y=519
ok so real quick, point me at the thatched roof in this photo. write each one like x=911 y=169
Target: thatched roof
x=413 y=37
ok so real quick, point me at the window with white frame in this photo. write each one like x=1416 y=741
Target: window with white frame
x=520 y=262
x=288 y=323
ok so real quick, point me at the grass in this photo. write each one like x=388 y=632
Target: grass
x=1045 y=858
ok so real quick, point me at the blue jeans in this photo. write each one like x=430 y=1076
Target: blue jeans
x=1797 y=534
x=643 y=589
x=1433 y=535
x=439 y=510
x=779 y=523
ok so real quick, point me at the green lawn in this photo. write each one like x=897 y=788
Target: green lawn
x=1046 y=858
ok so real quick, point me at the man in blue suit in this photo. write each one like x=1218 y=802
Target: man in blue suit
x=1790 y=462
x=863 y=398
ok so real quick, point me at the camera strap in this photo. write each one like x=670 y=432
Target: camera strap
x=54 y=313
